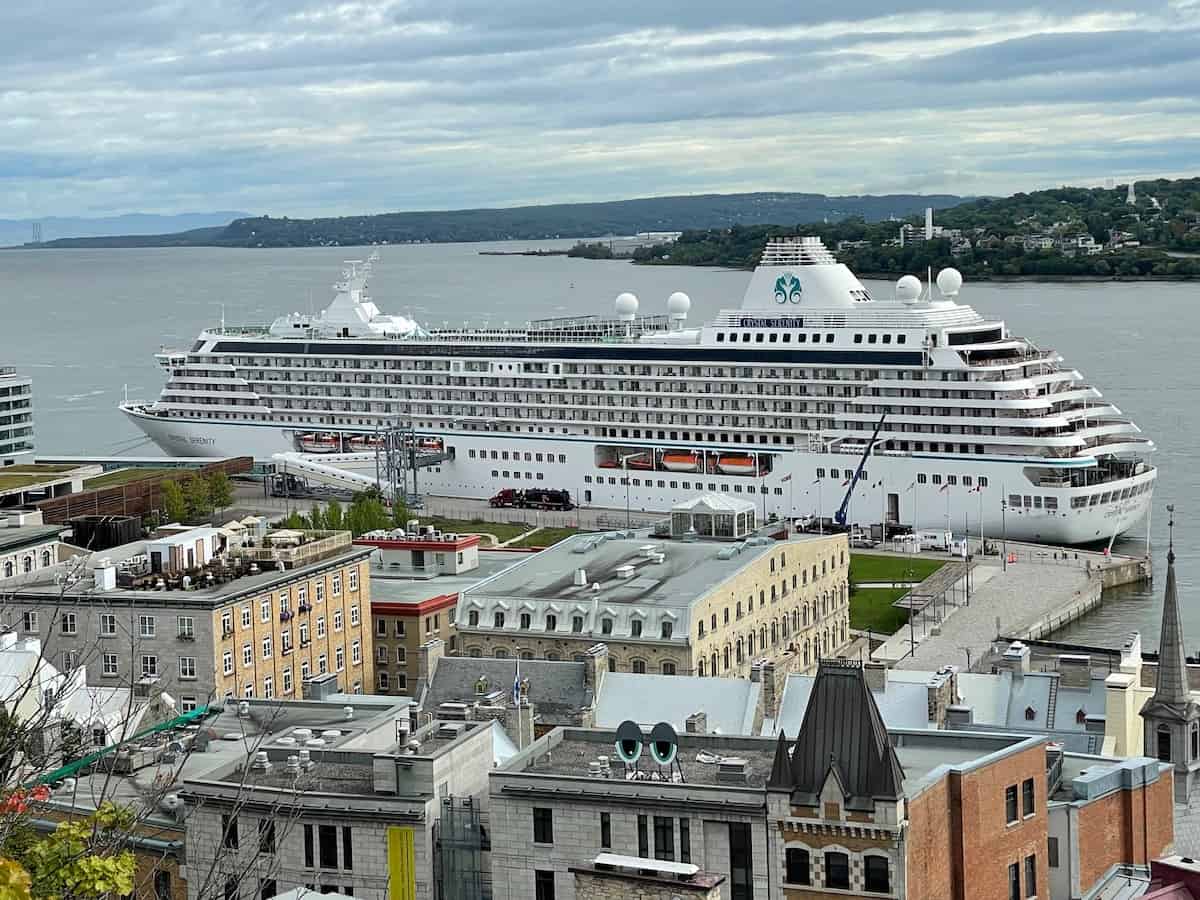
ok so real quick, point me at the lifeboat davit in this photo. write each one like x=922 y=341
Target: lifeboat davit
x=681 y=462
x=737 y=465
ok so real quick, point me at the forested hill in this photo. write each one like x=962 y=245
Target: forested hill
x=1065 y=232
x=563 y=220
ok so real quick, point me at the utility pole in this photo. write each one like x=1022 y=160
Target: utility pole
x=1004 y=528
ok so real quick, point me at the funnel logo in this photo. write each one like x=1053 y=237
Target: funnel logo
x=662 y=744
x=787 y=287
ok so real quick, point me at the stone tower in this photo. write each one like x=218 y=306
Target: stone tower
x=1171 y=718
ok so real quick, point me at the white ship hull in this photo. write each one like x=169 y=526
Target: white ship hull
x=792 y=489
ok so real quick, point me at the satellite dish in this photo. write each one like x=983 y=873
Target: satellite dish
x=908 y=289
x=949 y=282
x=629 y=742
x=627 y=306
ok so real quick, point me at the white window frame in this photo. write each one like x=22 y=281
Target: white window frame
x=337 y=620
x=227 y=662
x=246 y=617
x=108 y=625
x=111 y=665
x=354 y=620
x=287 y=680
x=264 y=608
x=67 y=625
x=269 y=687
x=352 y=580
x=187 y=668
x=335 y=589
x=187 y=626
x=149 y=665
x=247 y=655
x=147 y=626
x=322 y=664
x=29 y=621
x=355 y=653
x=266 y=646
x=339 y=658
x=320 y=626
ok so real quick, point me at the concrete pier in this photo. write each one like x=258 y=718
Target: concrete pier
x=1036 y=592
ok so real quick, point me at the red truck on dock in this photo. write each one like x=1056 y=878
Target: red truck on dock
x=533 y=498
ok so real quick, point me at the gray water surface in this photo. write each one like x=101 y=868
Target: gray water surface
x=85 y=324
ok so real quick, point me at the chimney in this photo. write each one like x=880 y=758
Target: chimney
x=876 y=675
x=518 y=722
x=767 y=695
x=581 y=578
x=1015 y=659
x=429 y=653
x=1074 y=671
x=696 y=723
x=929 y=223
x=595 y=666
x=941 y=693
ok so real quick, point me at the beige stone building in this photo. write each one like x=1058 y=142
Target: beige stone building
x=207 y=613
x=709 y=596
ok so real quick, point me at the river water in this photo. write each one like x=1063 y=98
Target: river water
x=85 y=323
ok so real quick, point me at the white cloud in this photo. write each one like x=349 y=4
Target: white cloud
x=296 y=107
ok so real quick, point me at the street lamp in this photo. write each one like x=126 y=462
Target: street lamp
x=1004 y=529
x=625 y=458
x=967 y=650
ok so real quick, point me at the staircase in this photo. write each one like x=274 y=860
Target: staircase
x=1052 y=704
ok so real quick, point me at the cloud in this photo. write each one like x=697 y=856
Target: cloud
x=296 y=107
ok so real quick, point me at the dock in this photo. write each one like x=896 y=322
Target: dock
x=1029 y=593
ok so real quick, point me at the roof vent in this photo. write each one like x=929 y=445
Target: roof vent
x=302 y=734
x=243 y=710
x=331 y=734
x=292 y=766
x=305 y=758
x=347 y=713
x=314 y=742
x=731 y=770
x=625 y=571
x=448 y=731
x=262 y=762
x=580 y=577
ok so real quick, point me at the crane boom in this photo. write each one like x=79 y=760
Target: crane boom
x=840 y=515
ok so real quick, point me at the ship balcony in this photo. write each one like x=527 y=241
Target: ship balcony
x=1018 y=359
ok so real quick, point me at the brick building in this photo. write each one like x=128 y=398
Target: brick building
x=697 y=599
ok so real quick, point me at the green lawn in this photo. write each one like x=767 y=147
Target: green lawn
x=871 y=608
x=867 y=567
x=503 y=531
x=121 y=476
x=546 y=537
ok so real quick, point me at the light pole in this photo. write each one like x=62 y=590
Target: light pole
x=625 y=458
x=1004 y=529
x=967 y=650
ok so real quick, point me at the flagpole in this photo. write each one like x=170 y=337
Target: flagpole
x=883 y=498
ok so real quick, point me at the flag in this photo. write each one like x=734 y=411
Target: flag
x=977 y=489
x=516 y=695
x=944 y=487
x=786 y=478
x=911 y=486
x=816 y=481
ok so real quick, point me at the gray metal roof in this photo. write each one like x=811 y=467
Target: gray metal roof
x=843 y=734
x=28 y=536
x=729 y=704
x=556 y=689
x=1171 y=699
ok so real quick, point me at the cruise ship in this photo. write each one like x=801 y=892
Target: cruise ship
x=951 y=421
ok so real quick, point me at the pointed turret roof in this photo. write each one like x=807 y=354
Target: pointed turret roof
x=1172 y=698
x=781 y=775
x=843 y=729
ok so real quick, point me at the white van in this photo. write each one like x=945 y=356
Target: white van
x=935 y=540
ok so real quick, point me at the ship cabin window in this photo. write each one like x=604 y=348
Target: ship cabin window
x=1037 y=502
x=966 y=481
x=787 y=337
x=758 y=338
x=901 y=338
x=746 y=337
x=1051 y=503
x=801 y=338
x=773 y=338
x=887 y=338
x=922 y=478
x=951 y=479
x=820 y=473
x=858 y=339
x=720 y=337
x=871 y=338
x=829 y=338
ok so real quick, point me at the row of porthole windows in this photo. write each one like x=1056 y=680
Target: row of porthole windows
x=27 y=561
x=525 y=622
x=775 y=337
x=953 y=480
x=516 y=456
x=732 y=655
x=686 y=485
x=1014 y=500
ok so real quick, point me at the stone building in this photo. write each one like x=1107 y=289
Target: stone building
x=375 y=812
x=680 y=602
x=26 y=545
x=848 y=808
x=206 y=614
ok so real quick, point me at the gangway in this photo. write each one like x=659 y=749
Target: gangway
x=322 y=473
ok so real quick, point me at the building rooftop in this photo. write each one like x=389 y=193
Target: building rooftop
x=729 y=704
x=557 y=690
x=411 y=586
x=20 y=536
x=239 y=567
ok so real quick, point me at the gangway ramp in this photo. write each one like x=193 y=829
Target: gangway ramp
x=311 y=470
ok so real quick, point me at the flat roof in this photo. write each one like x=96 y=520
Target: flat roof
x=923 y=755
x=28 y=535
x=391 y=584
x=689 y=570
x=41 y=583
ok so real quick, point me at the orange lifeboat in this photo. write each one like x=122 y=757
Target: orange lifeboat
x=737 y=465
x=681 y=462
x=320 y=443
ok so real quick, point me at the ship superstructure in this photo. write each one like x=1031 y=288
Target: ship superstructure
x=776 y=400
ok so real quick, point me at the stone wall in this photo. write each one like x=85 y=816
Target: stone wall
x=593 y=885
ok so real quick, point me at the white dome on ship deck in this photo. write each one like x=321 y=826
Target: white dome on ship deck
x=949 y=282
x=626 y=306
x=908 y=289
x=679 y=304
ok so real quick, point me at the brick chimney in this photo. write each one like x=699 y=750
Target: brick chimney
x=876 y=675
x=596 y=665
x=696 y=723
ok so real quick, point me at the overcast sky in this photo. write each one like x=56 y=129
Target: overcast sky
x=305 y=107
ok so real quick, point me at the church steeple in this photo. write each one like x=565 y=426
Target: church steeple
x=1172 y=686
x=1171 y=718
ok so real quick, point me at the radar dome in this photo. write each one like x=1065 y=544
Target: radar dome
x=627 y=306
x=949 y=282
x=908 y=289
x=678 y=304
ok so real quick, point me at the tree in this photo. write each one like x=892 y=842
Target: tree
x=366 y=513
x=83 y=858
x=334 y=518
x=196 y=497
x=173 y=503
x=220 y=490
x=316 y=518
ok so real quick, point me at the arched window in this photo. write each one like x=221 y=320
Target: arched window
x=501 y=653
x=1195 y=742
x=45 y=558
x=526 y=654
x=774 y=633
x=875 y=874
x=27 y=564
x=1030 y=714
x=552 y=656
x=725 y=658
x=783 y=625
x=473 y=617
x=739 y=609
x=798 y=868
x=762 y=637
x=837 y=870
x=700 y=667
x=738 y=651
x=637 y=666
x=805 y=617
x=1164 y=743
x=475 y=653
x=750 y=644
x=795 y=620
x=498 y=620
x=8 y=569
x=806 y=652
x=668 y=667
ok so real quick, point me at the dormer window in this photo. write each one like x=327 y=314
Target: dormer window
x=1030 y=714
x=498 y=620
x=606 y=626
x=635 y=628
